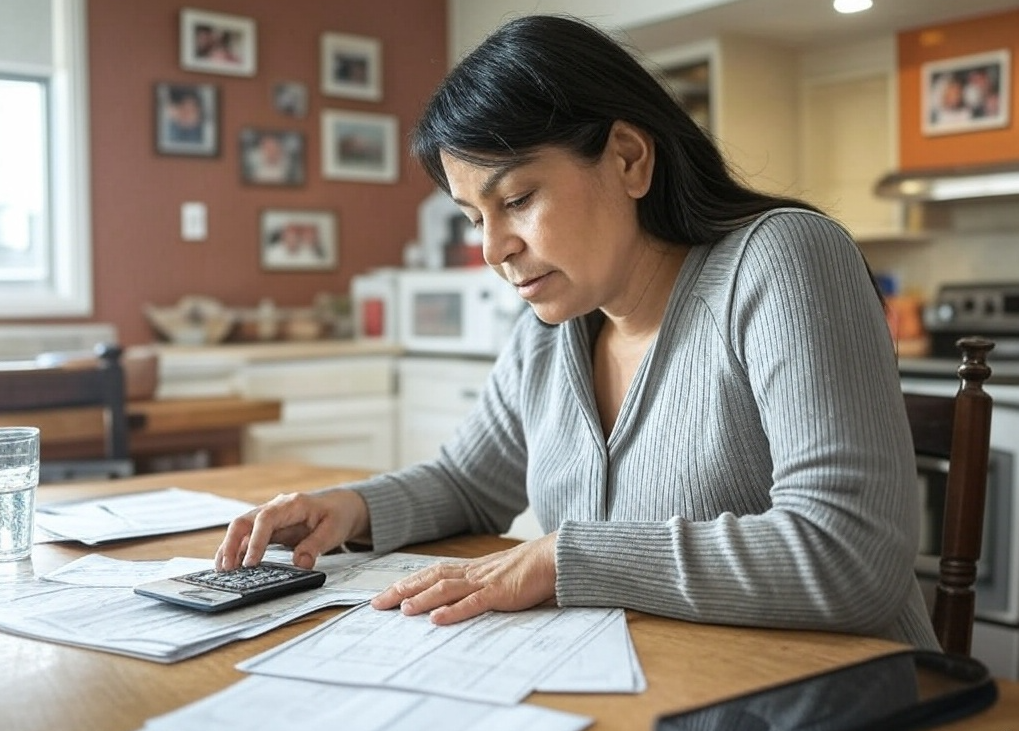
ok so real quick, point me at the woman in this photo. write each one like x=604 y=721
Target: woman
x=703 y=409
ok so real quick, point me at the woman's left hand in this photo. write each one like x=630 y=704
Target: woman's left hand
x=518 y=578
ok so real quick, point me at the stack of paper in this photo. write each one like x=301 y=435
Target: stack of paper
x=90 y=603
x=365 y=669
x=498 y=657
x=374 y=670
x=115 y=517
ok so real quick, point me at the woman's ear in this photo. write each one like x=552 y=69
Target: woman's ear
x=634 y=151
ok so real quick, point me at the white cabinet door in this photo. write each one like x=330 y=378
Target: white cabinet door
x=353 y=432
x=336 y=412
x=436 y=394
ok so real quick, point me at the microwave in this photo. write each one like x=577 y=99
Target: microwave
x=467 y=311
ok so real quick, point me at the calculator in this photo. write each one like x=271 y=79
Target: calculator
x=214 y=591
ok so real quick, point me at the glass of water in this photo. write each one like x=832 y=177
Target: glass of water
x=19 y=477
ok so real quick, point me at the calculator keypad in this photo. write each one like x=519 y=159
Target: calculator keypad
x=242 y=579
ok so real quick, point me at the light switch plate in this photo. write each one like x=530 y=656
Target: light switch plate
x=193 y=221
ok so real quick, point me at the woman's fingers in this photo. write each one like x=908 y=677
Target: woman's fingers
x=519 y=578
x=312 y=523
x=235 y=543
x=418 y=583
x=283 y=511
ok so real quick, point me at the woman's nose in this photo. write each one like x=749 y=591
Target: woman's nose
x=499 y=243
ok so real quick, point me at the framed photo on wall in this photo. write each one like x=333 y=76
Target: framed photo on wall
x=351 y=66
x=217 y=43
x=298 y=240
x=965 y=94
x=187 y=119
x=290 y=98
x=360 y=146
x=272 y=157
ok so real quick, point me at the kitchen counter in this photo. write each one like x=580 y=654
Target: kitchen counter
x=276 y=350
x=201 y=371
x=1003 y=372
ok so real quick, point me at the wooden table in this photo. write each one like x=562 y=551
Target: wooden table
x=49 y=686
x=157 y=428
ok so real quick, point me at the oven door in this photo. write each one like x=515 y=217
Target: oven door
x=932 y=479
x=997 y=584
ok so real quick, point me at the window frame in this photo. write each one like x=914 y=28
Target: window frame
x=70 y=290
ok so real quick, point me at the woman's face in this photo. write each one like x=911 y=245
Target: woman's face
x=561 y=229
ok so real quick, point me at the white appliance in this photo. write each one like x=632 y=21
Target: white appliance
x=373 y=302
x=467 y=311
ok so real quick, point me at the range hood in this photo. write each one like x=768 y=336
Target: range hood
x=945 y=184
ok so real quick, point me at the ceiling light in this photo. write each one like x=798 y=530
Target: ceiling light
x=852 y=6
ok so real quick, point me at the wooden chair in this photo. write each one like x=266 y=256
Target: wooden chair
x=958 y=429
x=65 y=402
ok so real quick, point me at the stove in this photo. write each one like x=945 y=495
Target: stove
x=990 y=309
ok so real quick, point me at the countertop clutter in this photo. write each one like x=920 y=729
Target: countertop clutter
x=191 y=371
x=200 y=320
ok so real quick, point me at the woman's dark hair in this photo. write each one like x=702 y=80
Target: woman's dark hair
x=553 y=80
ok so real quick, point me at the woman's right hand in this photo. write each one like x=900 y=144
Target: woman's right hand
x=310 y=523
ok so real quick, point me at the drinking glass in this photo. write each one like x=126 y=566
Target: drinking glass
x=19 y=478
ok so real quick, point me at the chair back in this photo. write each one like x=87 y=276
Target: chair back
x=958 y=429
x=54 y=397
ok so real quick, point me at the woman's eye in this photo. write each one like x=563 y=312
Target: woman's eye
x=518 y=202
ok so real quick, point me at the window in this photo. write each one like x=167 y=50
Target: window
x=24 y=202
x=45 y=242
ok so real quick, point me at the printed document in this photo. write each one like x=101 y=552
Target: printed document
x=498 y=657
x=90 y=603
x=269 y=704
x=115 y=517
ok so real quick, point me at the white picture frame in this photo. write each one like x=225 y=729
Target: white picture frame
x=966 y=93
x=360 y=146
x=351 y=66
x=217 y=43
x=298 y=240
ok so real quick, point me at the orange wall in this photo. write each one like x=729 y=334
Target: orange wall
x=935 y=43
x=139 y=256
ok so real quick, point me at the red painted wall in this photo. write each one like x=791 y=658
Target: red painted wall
x=139 y=256
x=951 y=40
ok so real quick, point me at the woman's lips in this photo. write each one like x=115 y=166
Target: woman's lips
x=530 y=287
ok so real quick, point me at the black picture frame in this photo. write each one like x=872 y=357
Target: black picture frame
x=186 y=119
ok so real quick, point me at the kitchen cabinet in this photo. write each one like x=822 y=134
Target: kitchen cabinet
x=818 y=124
x=436 y=394
x=849 y=136
x=336 y=412
x=338 y=399
x=751 y=100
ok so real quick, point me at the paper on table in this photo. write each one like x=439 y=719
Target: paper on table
x=268 y=704
x=498 y=657
x=89 y=603
x=97 y=570
x=114 y=517
x=117 y=620
x=607 y=663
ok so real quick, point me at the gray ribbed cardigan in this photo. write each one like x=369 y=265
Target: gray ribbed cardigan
x=760 y=471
